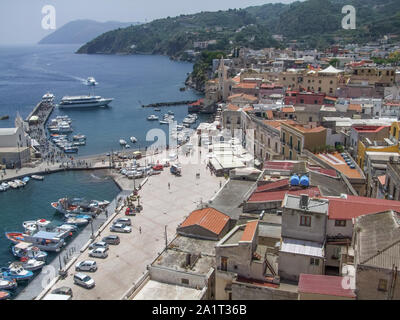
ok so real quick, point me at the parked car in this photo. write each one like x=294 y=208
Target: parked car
x=63 y=290
x=83 y=280
x=119 y=227
x=86 y=265
x=112 y=239
x=98 y=253
x=124 y=221
x=99 y=244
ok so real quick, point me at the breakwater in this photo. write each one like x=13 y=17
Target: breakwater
x=167 y=104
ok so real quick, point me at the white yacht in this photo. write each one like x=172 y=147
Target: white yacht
x=91 y=81
x=84 y=101
x=152 y=117
x=133 y=139
x=122 y=142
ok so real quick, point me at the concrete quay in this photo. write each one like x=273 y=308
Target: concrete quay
x=164 y=208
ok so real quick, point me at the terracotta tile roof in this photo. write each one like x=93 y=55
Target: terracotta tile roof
x=325 y=285
x=232 y=107
x=249 y=231
x=269 y=114
x=243 y=96
x=354 y=206
x=340 y=165
x=236 y=79
x=368 y=128
x=288 y=109
x=276 y=185
x=355 y=107
x=246 y=85
x=208 y=218
x=304 y=129
x=273 y=196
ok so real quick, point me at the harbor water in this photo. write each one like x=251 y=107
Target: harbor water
x=28 y=72
x=33 y=202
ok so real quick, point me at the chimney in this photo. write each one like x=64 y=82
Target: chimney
x=304 y=201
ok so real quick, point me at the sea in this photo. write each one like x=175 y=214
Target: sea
x=28 y=72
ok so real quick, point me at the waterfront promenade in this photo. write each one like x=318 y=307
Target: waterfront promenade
x=163 y=206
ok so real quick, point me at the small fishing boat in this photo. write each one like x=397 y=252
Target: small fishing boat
x=20 y=183
x=77 y=221
x=32 y=226
x=127 y=146
x=13 y=185
x=31 y=264
x=71 y=149
x=171 y=112
x=4 y=295
x=79 y=137
x=5 y=186
x=16 y=272
x=36 y=177
x=79 y=143
x=157 y=109
x=133 y=139
x=24 y=249
x=7 y=284
x=67 y=227
x=25 y=179
x=91 y=81
x=122 y=142
x=47 y=241
x=152 y=117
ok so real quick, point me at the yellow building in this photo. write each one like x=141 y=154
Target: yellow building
x=366 y=144
x=295 y=138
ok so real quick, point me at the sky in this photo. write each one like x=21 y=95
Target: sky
x=21 y=20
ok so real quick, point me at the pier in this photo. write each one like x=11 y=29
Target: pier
x=167 y=104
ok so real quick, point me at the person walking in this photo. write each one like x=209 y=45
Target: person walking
x=140 y=230
x=169 y=186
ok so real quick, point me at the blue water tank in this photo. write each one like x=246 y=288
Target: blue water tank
x=304 y=181
x=294 y=180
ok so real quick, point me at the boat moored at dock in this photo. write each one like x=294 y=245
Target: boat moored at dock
x=27 y=250
x=47 y=241
x=16 y=272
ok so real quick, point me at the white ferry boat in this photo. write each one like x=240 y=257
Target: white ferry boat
x=84 y=101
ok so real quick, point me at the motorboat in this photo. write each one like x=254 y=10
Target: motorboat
x=24 y=249
x=133 y=139
x=79 y=143
x=71 y=149
x=20 y=183
x=7 y=284
x=84 y=101
x=127 y=146
x=122 y=142
x=67 y=227
x=31 y=264
x=152 y=117
x=16 y=272
x=13 y=184
x=5 y=186
x=36 y=177
x=77 y=221
x=91 y=81
x=79 y=216
x=44 y=240
x=25 y=179
x=157 y=109
x=31 y=227
x=78 y=205
x=48 y=98
x=79 y=137
x=170 y=112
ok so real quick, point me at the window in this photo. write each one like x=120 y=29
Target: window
x=224 y=263
x=309 y=119
x=185 y=281
x=305 y=221
x=382 y=286
x=314 y=261
x=340 y=223
x=330 y=90
x=301 y=100
x=291 y=141
x=290 y=155
x=298 y=145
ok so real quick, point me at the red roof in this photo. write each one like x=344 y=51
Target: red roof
x=325 y=285
x=276 y=185
x=280 y=195
x=270 y=115
x=197 y=103
x=249 y=231
x=354 y=206
x=208 y=218
x=382 y=180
